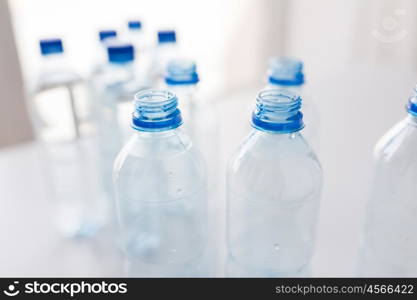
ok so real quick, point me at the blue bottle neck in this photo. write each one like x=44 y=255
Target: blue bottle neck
x=278 y=111
x=156 y=111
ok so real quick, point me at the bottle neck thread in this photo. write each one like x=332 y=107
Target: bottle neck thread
x=285 y=71
x=278 y=111
x=156 y=110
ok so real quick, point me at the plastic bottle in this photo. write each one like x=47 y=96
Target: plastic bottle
x=181 y=77
x=389 y=241
x=201 y=123
x=273 y=190
x=61 y=117
x=287 y=73
x=160 y=185
x=143 y=54
x=100 y=55
x=136 y=34
x=113 y=90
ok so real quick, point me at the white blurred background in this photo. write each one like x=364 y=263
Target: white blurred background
x=360 y=66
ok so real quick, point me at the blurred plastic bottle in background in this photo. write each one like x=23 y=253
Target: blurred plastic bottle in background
x=160 y=185
x=100 y=55
x=389 y=241
x=61 y=117
x=165 y=51
x=202 y=125
x=136 y=34
x=274 y=184
x=137 y=38
x=114 y=89
x=181 y=77
x=287 y=73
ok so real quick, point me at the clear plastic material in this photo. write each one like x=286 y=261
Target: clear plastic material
x=161 y=55
x=389 y=241
x=113 y=90
x=160 y=184
x=286 y=73
x=199 y=114
x=61 y=115
x=273 y=189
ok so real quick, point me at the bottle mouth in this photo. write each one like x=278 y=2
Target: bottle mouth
x=181 y=71
x=285 y=71
x=278 y=110
x=156 y=110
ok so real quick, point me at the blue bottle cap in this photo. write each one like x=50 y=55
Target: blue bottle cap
x=181 y=71
x=166 y=36
x=156 y=110
x=278 y=111
x=285 y=71
x=134 y=24
x=51 y=46
x=104 y=34
x=120 y=53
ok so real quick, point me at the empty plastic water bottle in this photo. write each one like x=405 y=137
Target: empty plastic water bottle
x=61 y=117
x=181 y=77
x=201 y=123
x=143 y=54
x=273 y=190
x=113 y=90
x=136 y=35
x=389 y=242
x=100 y=55
x=287 y=73
x=160 y=184
x=165 y=51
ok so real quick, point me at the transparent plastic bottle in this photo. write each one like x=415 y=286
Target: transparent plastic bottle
x=62 y=122
x=287 y=73
x=389 y=241
x=113 y=90
x=181 y=77
x=137 y=37
x=160 y=184
x=201 y=123
x=165 y=51
x=100 y=55
x=273 y=191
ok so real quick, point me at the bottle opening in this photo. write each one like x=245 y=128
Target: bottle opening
x=278 y=111
x=156 y=110
x=181 y=71
x=285 y=71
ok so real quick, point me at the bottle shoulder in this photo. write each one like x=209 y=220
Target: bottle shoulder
x=265 y=145
x=274 y=152
x=173 y=146
x=151 y=158
x=279 y=169
x=399 y=142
